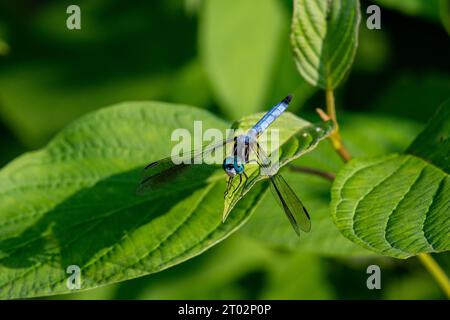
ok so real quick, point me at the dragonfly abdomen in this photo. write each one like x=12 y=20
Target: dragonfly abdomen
x=270 y=117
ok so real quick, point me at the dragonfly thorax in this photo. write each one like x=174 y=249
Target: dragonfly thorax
x=233 y=166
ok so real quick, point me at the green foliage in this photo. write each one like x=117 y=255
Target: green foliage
x=74 y=202
x=236 y=42
x=85 y=166
x=252 y=272
x=364 y=136
x=55 y=75
x=433 y=144
x=218 y=273
x=397 y=205
x=324 y=38
x=270 y=226
x=296 y=137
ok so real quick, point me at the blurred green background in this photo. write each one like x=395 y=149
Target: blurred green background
x=233 y=58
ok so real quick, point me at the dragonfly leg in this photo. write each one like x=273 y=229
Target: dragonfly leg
x=239 y=184
x=245 y=183
x=230 y=180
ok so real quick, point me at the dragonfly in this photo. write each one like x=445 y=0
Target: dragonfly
x=243 y=145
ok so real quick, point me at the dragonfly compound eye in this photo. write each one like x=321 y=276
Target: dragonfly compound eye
x=228 y=166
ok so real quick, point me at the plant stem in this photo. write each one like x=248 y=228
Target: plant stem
x=331 y=108
x=436 y=271
x=335 y=137
x=327 y=175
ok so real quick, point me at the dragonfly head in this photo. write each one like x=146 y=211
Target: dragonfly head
x=233 y=166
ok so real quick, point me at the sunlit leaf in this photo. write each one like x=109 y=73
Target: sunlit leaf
x=214 y=275
x=78 y=204
x=398 y=205
x=324 y=39
x=364 y=136
x=296 y=137
x=74 y=203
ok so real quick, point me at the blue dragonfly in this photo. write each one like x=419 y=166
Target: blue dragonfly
x=159 y=172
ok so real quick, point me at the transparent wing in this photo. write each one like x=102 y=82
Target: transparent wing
x=295 y=211
x=263 y=160
x=165 y=170
x=290 y=203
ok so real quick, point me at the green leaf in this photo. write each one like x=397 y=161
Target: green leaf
x=433 y=144
x=296 y=137
x=214 y=275
x=239 y=43
x=78 y=204
x=270 y=226
x=364 y=136
x=397 y=205
x=221 y=273
x=324 y=38
x=286 y=79
x=74 y=203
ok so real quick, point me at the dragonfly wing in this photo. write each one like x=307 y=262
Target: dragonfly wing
x=263 y=160
x=290 y=203
x=159 y=173
x=166 y=170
